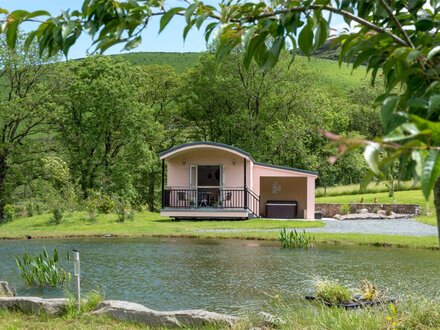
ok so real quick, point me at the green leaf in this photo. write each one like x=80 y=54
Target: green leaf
x=11 y=33
x=190 y=11
x=424 y=24
x=133 y=43
x=433 y=52
x=19 y=14
x=209 y=28
x=187 y=29
x=387 y=110
x=415 y=155
x=434 y=105
x=322 y=33
x=37 y=13
x=167 y=16
x=430 y=172
x=371 y=155
x=305 y=39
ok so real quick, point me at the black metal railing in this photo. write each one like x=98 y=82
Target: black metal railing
x=222 y=198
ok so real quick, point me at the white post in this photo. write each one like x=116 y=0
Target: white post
x=76 y=273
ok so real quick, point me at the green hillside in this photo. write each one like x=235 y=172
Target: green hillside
x=180 y=61
x=328 y=71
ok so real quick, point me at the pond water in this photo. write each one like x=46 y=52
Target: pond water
x=223 y=275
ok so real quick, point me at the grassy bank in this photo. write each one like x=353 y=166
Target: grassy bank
x=295 y=313
x=402 y=197
x=353 y=189
x=147 y=224
x=144 y=224
x=17 y=320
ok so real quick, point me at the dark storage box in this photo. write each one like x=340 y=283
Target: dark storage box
x=281 y=209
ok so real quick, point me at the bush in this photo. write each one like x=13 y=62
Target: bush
x=42 y=270
x=294 y=239
x=38 y=209
x=123 y=210
x=105 y=204
x=332 y=292
x=57 y=216
x=345 y=208
x=30 y=210
x=8 y=213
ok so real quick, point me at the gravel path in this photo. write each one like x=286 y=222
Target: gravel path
x=405 y=227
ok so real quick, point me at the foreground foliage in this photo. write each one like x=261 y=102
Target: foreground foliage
x=412 y=313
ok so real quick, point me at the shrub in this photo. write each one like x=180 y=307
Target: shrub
x=8 y=213
x=30 y=210
x=92 y=210
x=105 y=204
x=345 y=208
x=38 y=209
x=294 y=239
x=332 y=292
x=123 y=210
x=57 y=215
x=42 y=270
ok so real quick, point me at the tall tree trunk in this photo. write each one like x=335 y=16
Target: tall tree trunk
x=437 y=205
x=151 y=186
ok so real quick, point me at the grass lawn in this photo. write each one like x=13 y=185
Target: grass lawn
x=17 y=320
x=144 y=224
x=402 y=197
x=151 y=224
x=415 y=313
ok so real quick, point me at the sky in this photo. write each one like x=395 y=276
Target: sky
x=169 y=40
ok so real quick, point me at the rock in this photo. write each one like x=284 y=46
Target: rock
x=34 y=305
x=337 y=216
x=127 y=311
x=363 y=211
x=271 y=320
x=6 y=290
x=382 y=212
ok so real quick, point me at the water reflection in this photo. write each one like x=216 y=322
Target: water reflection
x=224 y=275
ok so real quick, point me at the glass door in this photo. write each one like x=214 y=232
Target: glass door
x=209 y=182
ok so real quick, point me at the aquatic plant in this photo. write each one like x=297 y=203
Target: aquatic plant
x=369 y=292
x=332 y=292
x=295 y=239
x=42 y=270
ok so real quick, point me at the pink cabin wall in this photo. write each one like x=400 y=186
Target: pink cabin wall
x=292 y=189
x=265 y=171
x=301 y=190
x=178 y=166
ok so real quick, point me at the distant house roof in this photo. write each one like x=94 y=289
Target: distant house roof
x=166 y=153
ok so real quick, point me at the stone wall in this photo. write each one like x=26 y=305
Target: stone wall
x=330 y=210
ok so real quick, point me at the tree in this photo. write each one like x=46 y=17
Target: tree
x=26 y=107
x=104 y=128
x=159 y=87
x=396 y=38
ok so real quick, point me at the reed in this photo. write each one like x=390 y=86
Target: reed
x=294 y=239
x=42 y=270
